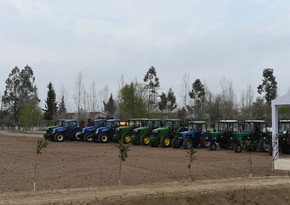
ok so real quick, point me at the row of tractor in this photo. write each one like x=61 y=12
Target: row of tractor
x=253 y=135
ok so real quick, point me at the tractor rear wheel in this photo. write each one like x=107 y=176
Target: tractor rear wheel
x=59 y=137
x=103 y=138
x=175 y=143
x=88 y=137
x=263 y=145
x=238 y=148
x=212 y=146
x=145 y=139
x=95 y=138
x=165 y=141
x=187 y=143
x=204 y=143
x=126 y=138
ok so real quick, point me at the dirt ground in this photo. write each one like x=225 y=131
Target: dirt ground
x=87 y=173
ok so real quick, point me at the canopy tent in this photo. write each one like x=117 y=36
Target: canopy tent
x=284 y=163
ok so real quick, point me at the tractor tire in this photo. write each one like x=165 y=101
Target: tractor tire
x=126 y=138
x=238 y=148
x=59 y=137
x=263 y=146
x=76 y=135
x=88 y=137
x=175 y=143
x=285 y=149
x=203 y=142
x=165 y=141
x=145 y=140
x=187 y=143
x=270 y=151
x=212 y=146
x=252 y=147
x=103 y=138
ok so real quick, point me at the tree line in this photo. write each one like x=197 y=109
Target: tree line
x=20 y=105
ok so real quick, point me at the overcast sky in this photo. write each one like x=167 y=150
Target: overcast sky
x=103 y=39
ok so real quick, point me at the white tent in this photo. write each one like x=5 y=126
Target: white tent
x=282 y=163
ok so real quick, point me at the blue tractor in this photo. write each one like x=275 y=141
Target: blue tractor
x=63 y=129
x=88 y=131
x=105 y=133
x=192 y=137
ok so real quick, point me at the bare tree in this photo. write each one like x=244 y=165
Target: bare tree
x=93 y=97
x=78 y=95
x=184 y=89
x=229 y=99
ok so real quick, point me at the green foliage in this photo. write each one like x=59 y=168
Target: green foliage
x=168 y=102
x=110 y=107
x=19 y=89
x=30 y=114
x=51 y=104
x=40 y=145
x=268 y=86
x=62 y=108
x=123 y=154
x=162 y=104
x=132 y=102
x=123 y=150
x=152 y=85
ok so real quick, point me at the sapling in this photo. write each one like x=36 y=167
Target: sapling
x=123 y=154
x=250 y=166
x=191 y=156
x=40 y=145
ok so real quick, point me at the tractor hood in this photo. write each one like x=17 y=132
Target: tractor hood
x=89 y=128
x=186 y=132
x=102 y=129
x=59 y=129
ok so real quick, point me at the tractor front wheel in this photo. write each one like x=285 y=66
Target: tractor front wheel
x=238 y=148
x=187 y=143
x=263 y=145
x=175 y=143
x=212 y=146
x=103 y=138
x=88 y=137
x=126 y=138
x=76 y=135
x=165 y=141
x=145 y=139
x=59 y=137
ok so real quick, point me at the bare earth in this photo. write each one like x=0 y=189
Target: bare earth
x=87 y=173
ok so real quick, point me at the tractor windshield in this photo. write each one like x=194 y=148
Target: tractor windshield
x=284 y=126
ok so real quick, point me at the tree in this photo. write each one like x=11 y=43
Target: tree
x=185 y=89
x=198 y=95
x=152 y=85
x=110 y=107
x=19 y=89
x=79 y=94
x=171 y=100
x=132 y=102
x=30 y=114
x=268 y=86
x=162 y=104
x=50 y=110
x=62 y=108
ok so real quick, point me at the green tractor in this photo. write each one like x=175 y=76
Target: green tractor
x=253 y=136
x=224 y=134
x=163 y=135
x=283 y=137
x=124 y=133
x=141 y=135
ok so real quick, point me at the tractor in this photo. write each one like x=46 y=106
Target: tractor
x=88 y=131
x=124 y=133
x=191 y=137
x=105 y=133
x=163 y=135
x=224 y=134
x=141 y=135
x=253 y=136
x=63 y=129
x=283 y=137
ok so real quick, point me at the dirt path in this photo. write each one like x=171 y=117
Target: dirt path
x=269 y=190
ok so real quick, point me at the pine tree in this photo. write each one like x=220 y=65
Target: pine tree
x=110 y=107
x=51 y=104
x=62 y=108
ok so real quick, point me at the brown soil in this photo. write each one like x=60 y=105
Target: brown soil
x=87 y=173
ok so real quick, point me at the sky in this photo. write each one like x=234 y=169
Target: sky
x=104 y=40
